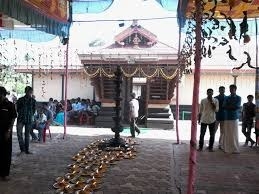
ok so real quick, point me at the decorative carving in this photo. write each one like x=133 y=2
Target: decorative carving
x=136 y=40
x=135 y=36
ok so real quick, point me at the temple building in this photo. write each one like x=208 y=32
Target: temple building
x=149 y=69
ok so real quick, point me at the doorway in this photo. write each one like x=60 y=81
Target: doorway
x=139 y=87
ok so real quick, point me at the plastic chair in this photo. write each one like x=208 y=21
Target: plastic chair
x=47 y=128
x=82 y=118
x=90 y=120
x=85 y=118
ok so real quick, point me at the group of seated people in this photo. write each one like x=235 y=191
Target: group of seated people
x=75 y=107
x=52 y=113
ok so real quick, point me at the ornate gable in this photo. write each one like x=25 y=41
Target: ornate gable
x=135 y=37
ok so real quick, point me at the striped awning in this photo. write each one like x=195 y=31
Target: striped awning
x=232 y=8
x=43 y=15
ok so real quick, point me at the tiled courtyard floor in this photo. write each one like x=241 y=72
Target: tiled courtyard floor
x=160 y=166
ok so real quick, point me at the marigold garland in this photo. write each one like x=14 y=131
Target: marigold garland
x=101 y=71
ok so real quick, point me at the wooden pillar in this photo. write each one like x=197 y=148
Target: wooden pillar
x=63 y=86
x=147 y=98
x=65 y=95
x=167 y=90
x=101 y=88
x=96 y=90
x=195 y=98
x=256 y=82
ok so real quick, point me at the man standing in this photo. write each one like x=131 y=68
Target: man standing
x=133 y=114
x=220 y=115
x=232 y=108
x=207 y=117
x=25 y=109
x=7 y=117
x=248 y=114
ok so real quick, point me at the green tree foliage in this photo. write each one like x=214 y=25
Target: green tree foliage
x=13 y=81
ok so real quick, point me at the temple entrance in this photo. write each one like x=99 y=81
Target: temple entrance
x=104 y=88
x=139 y=87
x=154 y=96
x=149 y=68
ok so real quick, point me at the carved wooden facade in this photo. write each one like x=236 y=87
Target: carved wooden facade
x=139 y=55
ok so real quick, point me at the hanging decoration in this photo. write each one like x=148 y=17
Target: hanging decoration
x=153 y=74
x=133 y=71
x=43 y=84
x=106 y=74
x=218 y=30
x=93 y=74
x=187 y=50
x=126 y=74
x=168 y=77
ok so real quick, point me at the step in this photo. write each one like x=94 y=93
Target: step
x=104 y=119
x=166 y=126
x=158 y=110
x=161 y=123
x=160 y=120
x=159 y=115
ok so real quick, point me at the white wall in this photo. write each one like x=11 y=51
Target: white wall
x=51 y=85
x=245 y=86
x=78 y=86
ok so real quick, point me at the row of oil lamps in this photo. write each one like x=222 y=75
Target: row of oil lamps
x=86 y=172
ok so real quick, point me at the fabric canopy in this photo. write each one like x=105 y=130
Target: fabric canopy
x=46 y=16
x=169 y=5
x=98 y=6
x=234 y=9
x=29 y=15
x=90 y=6
x=29 y=34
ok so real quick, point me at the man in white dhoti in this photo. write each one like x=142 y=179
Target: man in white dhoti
x=232 y=108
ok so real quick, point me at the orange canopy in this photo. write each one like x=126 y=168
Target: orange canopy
x=233 y=8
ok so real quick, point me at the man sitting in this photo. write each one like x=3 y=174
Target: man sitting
x=39 y=124
x=48 y=113
x=43 y=117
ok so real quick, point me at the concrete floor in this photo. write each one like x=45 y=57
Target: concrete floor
x=160 y=166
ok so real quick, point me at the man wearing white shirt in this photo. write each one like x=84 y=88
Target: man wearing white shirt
x=133 y=114
x=207 y=117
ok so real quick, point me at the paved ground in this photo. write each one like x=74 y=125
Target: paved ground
x=160 y=165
